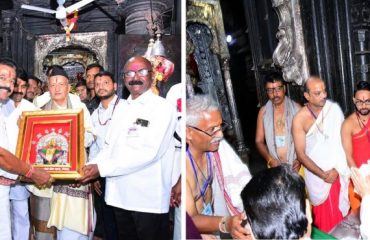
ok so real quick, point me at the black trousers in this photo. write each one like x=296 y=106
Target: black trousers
x=106 y=225
x=142 y=226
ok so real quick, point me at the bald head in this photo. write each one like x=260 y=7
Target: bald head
x=137 y=59
x=138 y=75
x=315 y=92
x=312 y=81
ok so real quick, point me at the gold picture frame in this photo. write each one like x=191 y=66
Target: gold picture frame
x=53 y=140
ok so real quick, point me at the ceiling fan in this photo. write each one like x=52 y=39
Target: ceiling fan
x=61 y=12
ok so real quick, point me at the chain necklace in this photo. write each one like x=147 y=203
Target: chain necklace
x=363 y=126
x=110 y=118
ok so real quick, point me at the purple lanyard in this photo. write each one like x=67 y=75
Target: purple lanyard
x=208 y=180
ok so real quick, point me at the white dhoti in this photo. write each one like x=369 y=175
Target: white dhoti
x=324 y=147
x=5 y=222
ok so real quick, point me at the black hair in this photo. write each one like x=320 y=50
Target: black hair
x=22 y=74
x=274 y=77
x=274 y=202
x=361 y=85
x=38 y=80
x=81 y=83
x=105 y=73
x=53 y=68
x=8 y=62
x=93 y=65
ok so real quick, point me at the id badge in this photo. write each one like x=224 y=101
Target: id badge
x=207 y=209
x=280 y=141
x=133 y=131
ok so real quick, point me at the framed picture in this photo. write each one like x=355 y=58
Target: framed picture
x=53 y=140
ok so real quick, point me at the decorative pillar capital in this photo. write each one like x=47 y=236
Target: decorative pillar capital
x=143 y=16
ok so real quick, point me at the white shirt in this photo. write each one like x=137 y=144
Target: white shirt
x=101 y=119
x=18 y=191
x=174 y=96
x=7 y=107
x=12 y=122
x=137 y=159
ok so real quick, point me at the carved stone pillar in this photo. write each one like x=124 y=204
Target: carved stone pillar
x=360 y=10
x=240 y=146
x=205 y=31
x=290 y=54
x=6 y=32
x=138 y=15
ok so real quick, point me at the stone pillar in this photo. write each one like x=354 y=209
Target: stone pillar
x=240 y=145
x=138 y=15
x=360 y=10
x=6 y=30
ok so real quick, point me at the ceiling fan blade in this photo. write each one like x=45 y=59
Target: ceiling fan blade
x=39 y=9
x=77 y=5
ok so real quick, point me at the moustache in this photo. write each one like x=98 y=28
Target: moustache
x=276 y=98
x=363 y=111
x=17 y=93
x=6 y=88
x=135 y=82
x=216 y=140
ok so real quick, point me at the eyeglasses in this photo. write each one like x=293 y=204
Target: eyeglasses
x=6 y=79
x=275 y=89
x=222 y=127
x=142 y=73
x=359 y=102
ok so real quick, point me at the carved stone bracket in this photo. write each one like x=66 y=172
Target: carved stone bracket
x=95 y=42
x=290 y=54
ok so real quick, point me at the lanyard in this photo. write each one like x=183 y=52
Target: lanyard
x=208 y=180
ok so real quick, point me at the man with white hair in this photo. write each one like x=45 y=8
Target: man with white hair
x=70 y=207
x=215 y=174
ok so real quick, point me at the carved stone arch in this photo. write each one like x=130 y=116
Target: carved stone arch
x=95 y=42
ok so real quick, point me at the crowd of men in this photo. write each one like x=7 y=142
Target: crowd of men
x=131 y=161
x=314 y=139
x=133 y=156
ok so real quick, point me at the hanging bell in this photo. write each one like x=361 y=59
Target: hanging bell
x=158 y=48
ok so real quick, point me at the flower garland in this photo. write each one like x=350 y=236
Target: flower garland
x=71 y=24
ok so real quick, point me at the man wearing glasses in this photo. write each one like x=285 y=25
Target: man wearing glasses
x=8 y=162
x=215 y=175
x=137 y=158
x=317 y=140
x=356 y=136
x=274 y=139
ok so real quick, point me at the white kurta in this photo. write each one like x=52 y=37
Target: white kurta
x=18 y=193
x=71 y=207
x=5 y=229
x=137 y=160
x=175 y=96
